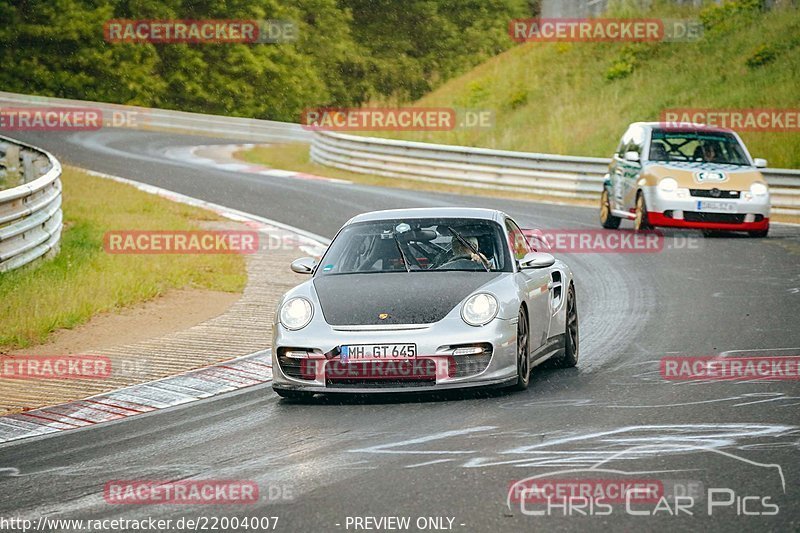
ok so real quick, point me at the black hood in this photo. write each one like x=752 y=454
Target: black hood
x=415 y=298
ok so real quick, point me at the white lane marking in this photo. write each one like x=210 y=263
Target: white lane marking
x=616 y=435
x=583 y=450
x=384 y=448
x=580 y=402
x=228 y=162
x=776 y=397
x=277 y=173
x=660 y=439
x=731 y=353
x=426 y=463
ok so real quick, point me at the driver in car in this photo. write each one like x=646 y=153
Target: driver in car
x=709 y=152
x=463 y=257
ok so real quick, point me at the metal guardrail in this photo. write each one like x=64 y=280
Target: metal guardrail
x=247 y=129
x=544 y=174
x=30 y=204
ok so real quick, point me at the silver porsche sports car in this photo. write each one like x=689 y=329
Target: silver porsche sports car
x=424 y=300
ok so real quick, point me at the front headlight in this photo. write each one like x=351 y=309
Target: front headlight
x=479 y=309
x=758 y=189
x=296 y=313
x=667 y=185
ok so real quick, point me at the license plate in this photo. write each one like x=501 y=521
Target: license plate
x=716 y=206
x=378 y=351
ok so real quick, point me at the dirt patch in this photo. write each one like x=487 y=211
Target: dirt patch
x=175 y=311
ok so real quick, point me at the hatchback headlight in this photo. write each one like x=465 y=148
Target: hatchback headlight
x=479 y=309
x=758 y=189
x=296 y=313
x=668 y=185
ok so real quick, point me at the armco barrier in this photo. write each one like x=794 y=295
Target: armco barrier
x=247 y=129
x=544 y=174
x=30 y=204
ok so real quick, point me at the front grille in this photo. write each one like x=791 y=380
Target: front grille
x=378 y=383
x=718 y=218
x=389 y=373
x=714 y=193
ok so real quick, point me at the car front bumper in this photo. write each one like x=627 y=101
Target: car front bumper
x=686 y=211
x=434 y=342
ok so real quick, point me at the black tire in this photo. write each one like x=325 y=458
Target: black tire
x=607 y=220
x=293 y=394
x=758 y=234
x=641 y=222
x=571 y=333
x=523 y=352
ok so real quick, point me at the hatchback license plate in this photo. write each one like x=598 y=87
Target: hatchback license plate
x=725 y=207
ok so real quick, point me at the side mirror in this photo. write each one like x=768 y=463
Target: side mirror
x=304 y=265
x=537 y=260
x=632 y=156
x=760 y=163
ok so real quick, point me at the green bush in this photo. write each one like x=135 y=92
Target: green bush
x=619 y=70
x=761 y=56
x=518 y=98
x=723 y=16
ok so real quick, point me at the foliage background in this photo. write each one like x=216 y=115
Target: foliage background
x=348 y=52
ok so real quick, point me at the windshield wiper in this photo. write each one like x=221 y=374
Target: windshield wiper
x=462 y=240
x=402 y=253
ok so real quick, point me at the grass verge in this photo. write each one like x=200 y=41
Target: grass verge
x=83 y=280
x=578 y=98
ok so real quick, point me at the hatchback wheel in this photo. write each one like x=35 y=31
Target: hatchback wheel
x=607 y=220
x=641 y=222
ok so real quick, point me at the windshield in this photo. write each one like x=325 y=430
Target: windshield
x=417 y=245
x=702 y=147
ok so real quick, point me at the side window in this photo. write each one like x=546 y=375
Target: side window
x=624 y=142
x=636 y=143
x=632 y=141
x=621 y=148
x=516 y=240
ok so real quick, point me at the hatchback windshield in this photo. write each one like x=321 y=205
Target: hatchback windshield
x=417 y=245
x=700 y=146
